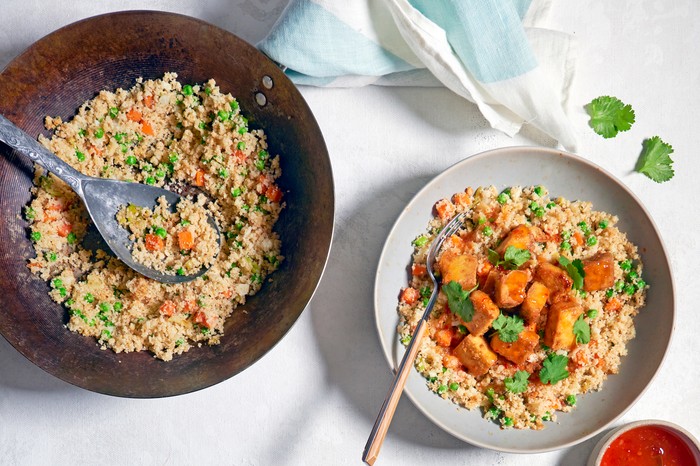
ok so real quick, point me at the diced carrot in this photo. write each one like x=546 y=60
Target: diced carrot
x=148 y=101
x=133 y=115
x=418 y=270
x=154 y=242
x=410 y=295
x=227 y=294
x=146 y=128
x=185 y=240
x=462 y=199
x=64 y=229
x=34 y=264
x=239 y=154
x=168 y=308
x=202 y=319
x=578 y=238
x=263 y=184
x=199 y=178
x=273 y=193
x=190 y=306
x=613 y=304
x=444 y=209
x=95 y=150
x=444 y=337
x=457 y=242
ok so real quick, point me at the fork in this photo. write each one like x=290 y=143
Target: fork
x=381 y=425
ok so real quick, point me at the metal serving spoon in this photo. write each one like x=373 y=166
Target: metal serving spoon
x=102 y=198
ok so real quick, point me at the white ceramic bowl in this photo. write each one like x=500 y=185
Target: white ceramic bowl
x=564 y=175
x=599 y=450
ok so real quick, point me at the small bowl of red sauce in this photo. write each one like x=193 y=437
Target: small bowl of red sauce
x=647 y=443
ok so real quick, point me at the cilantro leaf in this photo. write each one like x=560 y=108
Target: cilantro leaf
x=609 y=115
x=515 y=257
x=574 y=269
x=654 y=161
x=582 y=330
x=512 y=259
x=509 y=327
x=517 y=383
x=458 y=300
x=554 y=369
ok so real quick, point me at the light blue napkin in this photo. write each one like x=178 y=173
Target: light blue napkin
x=491 y=52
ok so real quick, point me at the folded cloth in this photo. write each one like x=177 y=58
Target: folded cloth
x=491 y=52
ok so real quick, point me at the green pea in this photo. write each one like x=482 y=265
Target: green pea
x=442 y=389
x=550 y=205
x=571 y=400
x=79 y=155
x=118 y=306
x=36 y=236
x=180 y=271
x=481 y=221
x=502 y=198
x=592 y=313
x=150 y=180
x=420 y=241
x=173 y=157
x=234 y=105
x=131 y=160
x=99 y=132
x=161 y=232
x=237 y=191
x=508 y=422
x=223 y=115
x=565 y=246
x=609 y=293
x=57 y=283
x=104 y=307
x=630 y=289
x=113 y=112
x=187 y=89
x=488 y=231
x=454 y=386
x=223 y=173
x=88 y=298
x=603 y=224
x=591 y=240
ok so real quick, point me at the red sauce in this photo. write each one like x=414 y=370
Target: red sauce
x=648 y=446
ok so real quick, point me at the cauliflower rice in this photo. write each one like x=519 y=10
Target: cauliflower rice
x=159 y=132
x=522 y=394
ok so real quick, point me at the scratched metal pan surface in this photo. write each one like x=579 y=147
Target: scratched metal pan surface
x=54 y=77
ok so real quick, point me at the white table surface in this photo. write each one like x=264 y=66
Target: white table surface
x=313 y=398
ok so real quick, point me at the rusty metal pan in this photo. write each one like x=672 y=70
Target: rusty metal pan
x=69 y=66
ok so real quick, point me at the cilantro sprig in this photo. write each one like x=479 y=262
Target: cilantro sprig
x=609 y=116
x=458 y=300
x=554 y=369
x=508 y=327
x=582 y=330
x=654 y=160
x=512 y=258
x=574 y=269
x=517 y=383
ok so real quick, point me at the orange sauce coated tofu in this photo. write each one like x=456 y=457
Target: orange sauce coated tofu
x=458 y=267
x=474 y=354
x=518 y=351
x=553 y=277
x=519 y=237
x=485 y=312
x=535 y=299
x=559 y=331
x=510 y=288
x=600 y=272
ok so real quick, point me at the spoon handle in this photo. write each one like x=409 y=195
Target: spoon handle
x=25 y=144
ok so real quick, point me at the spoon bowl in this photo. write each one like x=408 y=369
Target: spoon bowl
x=103 y=198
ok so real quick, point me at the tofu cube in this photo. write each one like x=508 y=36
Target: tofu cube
x=600 y=272
x=519 y=237
x=553 y=277
x=518 y=351
x=474 y=354
x=485 y=312
x=458 y=267
x=510 y=288
x=559 y=331
x=535 y=299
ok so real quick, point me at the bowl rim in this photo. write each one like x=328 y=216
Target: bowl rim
x=524 y=150
x=601 y=447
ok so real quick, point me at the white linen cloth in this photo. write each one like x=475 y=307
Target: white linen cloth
x=493 y=53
